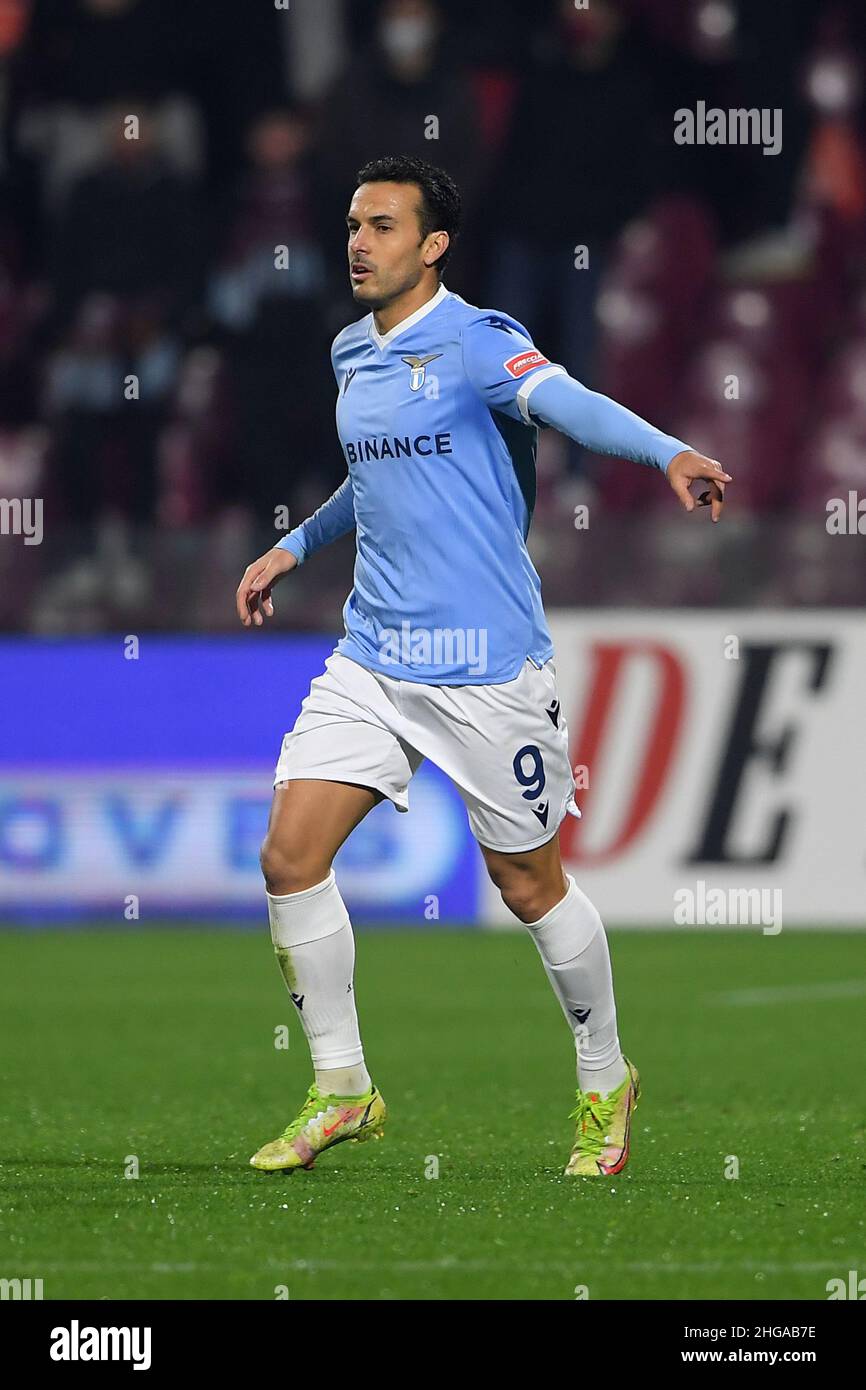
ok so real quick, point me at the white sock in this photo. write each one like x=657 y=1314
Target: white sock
x=315 y=951
x=343 y=1081
x=572 y=944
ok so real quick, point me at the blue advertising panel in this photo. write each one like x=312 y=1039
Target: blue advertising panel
x=135 y=782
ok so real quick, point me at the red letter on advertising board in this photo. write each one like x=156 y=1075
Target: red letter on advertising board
x=610 y=665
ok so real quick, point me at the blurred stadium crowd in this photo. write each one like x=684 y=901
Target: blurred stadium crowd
x=154 y=257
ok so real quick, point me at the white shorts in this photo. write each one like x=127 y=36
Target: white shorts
x=505 y=747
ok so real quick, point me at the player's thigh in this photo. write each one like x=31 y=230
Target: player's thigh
x=341 y=758
x=506 y=749
x=308 y=823
x=347 y=732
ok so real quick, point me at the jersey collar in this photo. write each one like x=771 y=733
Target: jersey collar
x=383 y=339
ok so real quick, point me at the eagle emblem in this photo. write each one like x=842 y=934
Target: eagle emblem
x=418 y=369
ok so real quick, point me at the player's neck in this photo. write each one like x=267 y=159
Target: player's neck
x=393 y=313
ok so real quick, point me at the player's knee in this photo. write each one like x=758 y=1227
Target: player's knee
x=528 y=896
x=526 y=902
x=528 y=893
x=290 y=867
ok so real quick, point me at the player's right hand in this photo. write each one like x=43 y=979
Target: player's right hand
x=254 y=590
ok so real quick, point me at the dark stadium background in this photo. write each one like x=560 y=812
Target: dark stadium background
x=139 y=724
x=119 y=255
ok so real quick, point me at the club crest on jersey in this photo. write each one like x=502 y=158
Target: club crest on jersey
x=525 y=362
x=418 y=369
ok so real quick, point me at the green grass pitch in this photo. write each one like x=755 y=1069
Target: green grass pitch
x=160 y=1044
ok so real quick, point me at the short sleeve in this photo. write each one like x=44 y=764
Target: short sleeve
x=504 y=365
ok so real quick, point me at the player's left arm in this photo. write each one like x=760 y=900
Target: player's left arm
x=609 y=428
x=511 y=375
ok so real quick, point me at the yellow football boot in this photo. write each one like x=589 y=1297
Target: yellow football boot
x=603 y=1133
x=321 y=1122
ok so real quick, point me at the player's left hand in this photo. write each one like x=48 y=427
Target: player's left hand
x=686 y=468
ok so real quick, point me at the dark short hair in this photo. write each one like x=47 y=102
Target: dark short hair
x=440 y=196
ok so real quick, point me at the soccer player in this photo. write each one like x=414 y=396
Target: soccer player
x=446 y=653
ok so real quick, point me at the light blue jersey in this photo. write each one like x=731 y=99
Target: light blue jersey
x=435 y=423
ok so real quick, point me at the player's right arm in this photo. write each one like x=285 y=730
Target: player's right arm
x=333 y=519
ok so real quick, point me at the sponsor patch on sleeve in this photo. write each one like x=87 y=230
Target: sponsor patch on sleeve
x=525 y=362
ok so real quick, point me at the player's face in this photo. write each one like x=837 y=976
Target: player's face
x=386 y=249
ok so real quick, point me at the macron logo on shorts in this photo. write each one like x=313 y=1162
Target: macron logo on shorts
x=524 y=362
